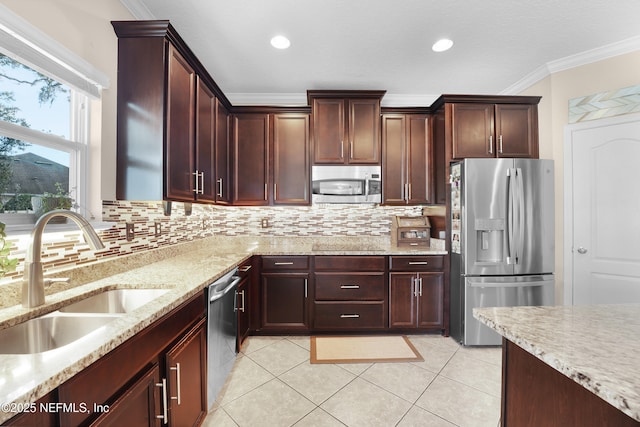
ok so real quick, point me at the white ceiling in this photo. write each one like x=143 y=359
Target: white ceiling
x=501 y=46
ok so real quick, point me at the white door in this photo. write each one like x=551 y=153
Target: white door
x=602 y=217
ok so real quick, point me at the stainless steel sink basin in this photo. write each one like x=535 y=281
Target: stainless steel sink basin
x=48 y=333
x=114 y=301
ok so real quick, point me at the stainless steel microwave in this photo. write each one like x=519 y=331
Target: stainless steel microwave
x=346 y=184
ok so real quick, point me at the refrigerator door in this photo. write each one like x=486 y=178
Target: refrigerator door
x=501 y=292
x=484 y=221
x=534 y=243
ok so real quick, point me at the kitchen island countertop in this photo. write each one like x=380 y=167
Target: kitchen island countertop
x=597 y=346
x=185 y=269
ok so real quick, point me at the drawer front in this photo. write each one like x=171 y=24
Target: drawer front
x=350 y=287
x=350 y=263
x=339 y=315
x=416 y=263
x=285 y=262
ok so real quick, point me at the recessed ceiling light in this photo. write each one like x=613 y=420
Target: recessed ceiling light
x=442 y=45
x=280 y=42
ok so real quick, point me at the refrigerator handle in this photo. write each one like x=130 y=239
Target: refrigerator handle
x=510 y=217
x=521 y=212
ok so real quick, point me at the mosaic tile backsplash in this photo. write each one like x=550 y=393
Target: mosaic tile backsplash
x=153 y=229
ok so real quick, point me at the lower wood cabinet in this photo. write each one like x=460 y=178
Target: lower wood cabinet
x=416 y=292
x=168 y=358
x=185 y=371
x=284 y=288
x=350 y=293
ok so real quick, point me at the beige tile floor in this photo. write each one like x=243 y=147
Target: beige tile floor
x=273 y=384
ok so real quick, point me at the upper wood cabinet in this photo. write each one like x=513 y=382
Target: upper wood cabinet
x=345 y=126
x=271 y=159
x=167 y=127
x=406 y=159
x=494 y=130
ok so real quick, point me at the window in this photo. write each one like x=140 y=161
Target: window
x=45 y=93
x=41 y=153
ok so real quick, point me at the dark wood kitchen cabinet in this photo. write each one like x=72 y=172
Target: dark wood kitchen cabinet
x=135 y=376
x=291 y=171
x=345 y=126
x=284 y=292
x=166 y=124
x=350 y=293
x=494 y=130
x=271 y=159
x=250 y=159
x=245 y=300
x=416 y=292
x=406 y=159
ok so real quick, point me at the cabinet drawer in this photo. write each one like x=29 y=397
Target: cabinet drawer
x=285 y=262
x=350 y=287
x=349 y=315
x=416 y=263
x=350 y=263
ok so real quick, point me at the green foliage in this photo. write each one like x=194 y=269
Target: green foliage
x=6 y=264
x=61 y=199
x=19 y=202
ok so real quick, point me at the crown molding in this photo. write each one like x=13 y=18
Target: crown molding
x=573 y=61
x=138 y=9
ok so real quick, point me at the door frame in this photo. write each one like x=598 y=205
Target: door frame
x=567 y=251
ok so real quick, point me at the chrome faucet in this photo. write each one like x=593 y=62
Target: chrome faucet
x=33 y=283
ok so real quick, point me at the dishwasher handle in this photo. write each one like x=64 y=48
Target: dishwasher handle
x=219 y=294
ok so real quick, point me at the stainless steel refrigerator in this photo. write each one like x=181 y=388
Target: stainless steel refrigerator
x=502 y=240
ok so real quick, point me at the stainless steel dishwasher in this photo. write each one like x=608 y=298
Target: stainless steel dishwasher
x=222 y=331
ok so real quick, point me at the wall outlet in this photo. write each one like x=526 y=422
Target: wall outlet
x=131 y=232
x=265 y=223
x=157 y=228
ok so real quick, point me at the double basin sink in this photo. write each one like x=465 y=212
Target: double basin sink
x=73 y=321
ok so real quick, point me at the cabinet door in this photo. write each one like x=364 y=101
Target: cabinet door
x=186 y=373
x=284 y=301
x=222 y=155
x=180 y=128
x=328 y=130
x=364 y=131
x=291 y=159
x=139 y=405
x=472 y=131
x=250 y=159
x=394 y=164
x=205 y=144
x=402 y=300
x=516 y=130
x=430 y=300
x=419 y=159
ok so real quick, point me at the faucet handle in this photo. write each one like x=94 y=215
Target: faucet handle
x=52 y=280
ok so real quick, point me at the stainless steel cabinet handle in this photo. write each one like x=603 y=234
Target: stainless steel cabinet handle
x=420 y=281
x=219 y=180
x=409 y=192
x=582 y=250
x=342 y=149
x=306 y=286
x=490 y=144
x=500 y=144
x=177 y=369
x=242 y=308
x=418 y=262
x=235 y=302
x=405 y=195
x=349 y=287
x=163 y=417
x=283 y=263
x=351 y=149
x=196 y=183
x=349 y=316
x=414 y=286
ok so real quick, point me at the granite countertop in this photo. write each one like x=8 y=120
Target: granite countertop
x=597 y=346
x=183 y=269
